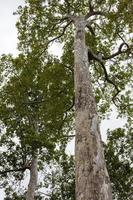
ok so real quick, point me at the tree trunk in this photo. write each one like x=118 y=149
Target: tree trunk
x=92 y=180
x=33 y=180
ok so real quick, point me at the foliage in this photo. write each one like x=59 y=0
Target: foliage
x=61 y=178
x=33 y=106
x=37 y=97
x=41 y=22
x=118 y=153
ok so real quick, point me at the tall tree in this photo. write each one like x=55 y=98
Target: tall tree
x=32 y=123
x=92 y=180
x=99 y=28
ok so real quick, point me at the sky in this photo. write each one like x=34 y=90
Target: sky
x=8 y=44
x=8 y=32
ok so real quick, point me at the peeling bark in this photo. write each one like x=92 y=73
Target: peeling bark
x=33 y=180
x=92 y=180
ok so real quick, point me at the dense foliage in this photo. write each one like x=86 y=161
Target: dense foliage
x=118 y=152
x=37 y=97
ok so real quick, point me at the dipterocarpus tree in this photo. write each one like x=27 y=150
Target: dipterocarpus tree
x=93 y=32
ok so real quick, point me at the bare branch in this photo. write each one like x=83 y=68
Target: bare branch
x=92 y=13
x=68 y=136
x=22 y=169
x=49 y=195
x=121 y=37
x=55 y=38
x=33 y=102
x=120 y=51
x=70 y=68
x=95 y=57
x=57 y=23
x=90 y=29
x=59 y=36
x=90 y=5
x=66 y=113
x=71 y=106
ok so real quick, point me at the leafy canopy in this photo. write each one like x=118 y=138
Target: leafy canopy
x=36 y=100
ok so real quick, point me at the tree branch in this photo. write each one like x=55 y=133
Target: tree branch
x=95 y=57
x=92 y=13
x=71 y=106
x=27 y=165
x=55 y=38
x=14 y=170
x=33 y=102
x=90 y=5
x=66 y=112
x=68 y=136
x=120 y=51
x=64 y=29
x=70 y=68
x=90 y=29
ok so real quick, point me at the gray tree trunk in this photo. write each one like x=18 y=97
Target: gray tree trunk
x=92 y=180
x=33 y=180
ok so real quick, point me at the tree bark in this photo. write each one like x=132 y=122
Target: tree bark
x=92 y=180
x=33 y=180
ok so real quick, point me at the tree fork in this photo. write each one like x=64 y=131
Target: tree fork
x=92 y=180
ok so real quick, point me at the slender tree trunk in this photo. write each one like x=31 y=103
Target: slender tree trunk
x=33 y=180
x=92 y=180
